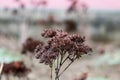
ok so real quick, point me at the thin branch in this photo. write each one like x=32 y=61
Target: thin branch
x=57 y=69
x=61 y=63
x=67 y=66
x=51 y=72
x=64 y=60
x=65 y=69
x=61 y=59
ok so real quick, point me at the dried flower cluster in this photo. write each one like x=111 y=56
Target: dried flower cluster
x=59 y=48
x=16 y=69
x=30 y=44
x=60 y=43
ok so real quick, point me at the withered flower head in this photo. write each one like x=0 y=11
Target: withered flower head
x=30 y=44
x=70 y=25
x=61 y=43
x=16 y=69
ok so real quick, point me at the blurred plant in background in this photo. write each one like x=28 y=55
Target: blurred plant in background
x=61 y=47
x=12 y=64
x=30 y=44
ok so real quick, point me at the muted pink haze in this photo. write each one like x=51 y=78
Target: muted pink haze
x=63 y=4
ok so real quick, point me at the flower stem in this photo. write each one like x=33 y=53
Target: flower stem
x=51 y=72
x=1 y=68
x=64 y=60
x=57 y=70
x=65 y=69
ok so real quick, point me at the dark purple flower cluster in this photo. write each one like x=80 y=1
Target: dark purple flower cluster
x=46 y=54
x=61 y=43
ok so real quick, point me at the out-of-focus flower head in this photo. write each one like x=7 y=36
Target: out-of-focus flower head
x=16 y=69
x=30 y=44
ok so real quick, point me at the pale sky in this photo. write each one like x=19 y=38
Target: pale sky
x=63 y=4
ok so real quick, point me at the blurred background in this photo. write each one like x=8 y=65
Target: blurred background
x=23 y=21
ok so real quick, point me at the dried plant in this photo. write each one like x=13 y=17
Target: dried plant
x=15 y=68
x=59 y=48
x=71 y=25
x=73 y=6
x=30 y=44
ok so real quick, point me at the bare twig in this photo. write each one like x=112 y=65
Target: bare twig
x=67 y=67
x=65 y=60
x=51 y=73
x=57 y=69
